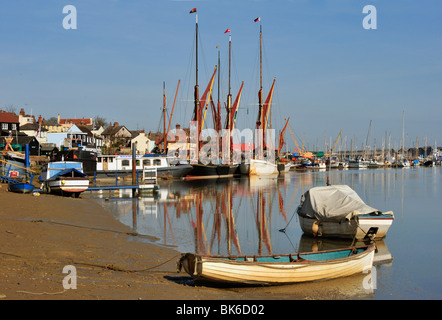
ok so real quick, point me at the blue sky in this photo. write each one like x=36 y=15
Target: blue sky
x=331 y=73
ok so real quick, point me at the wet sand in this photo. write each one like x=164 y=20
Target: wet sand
x=40 y=235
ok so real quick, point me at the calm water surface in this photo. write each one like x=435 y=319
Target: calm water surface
x=245 y=216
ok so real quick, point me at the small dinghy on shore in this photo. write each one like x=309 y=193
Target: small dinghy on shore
x=20 y=187
x=338 y=211
x=278 y=269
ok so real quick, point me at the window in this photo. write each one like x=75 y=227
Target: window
x=157 y=162
x=146 y=162
x=125 y=162
x=4 y=126
x=14 y=126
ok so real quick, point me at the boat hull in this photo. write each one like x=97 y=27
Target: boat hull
x=21 y=187
x=360 y=227
x=244 y=168
x=68 y=185
x=202 y=171
x=357 y=164
x=262 y=167
x=286 y=269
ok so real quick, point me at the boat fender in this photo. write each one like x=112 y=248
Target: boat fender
x=315 y=227
x=63 y=182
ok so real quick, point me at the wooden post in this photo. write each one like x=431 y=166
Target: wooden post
x=134 y=170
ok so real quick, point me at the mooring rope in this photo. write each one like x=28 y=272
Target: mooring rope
x=119 y=269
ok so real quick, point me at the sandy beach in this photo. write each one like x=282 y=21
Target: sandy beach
x=40 y=235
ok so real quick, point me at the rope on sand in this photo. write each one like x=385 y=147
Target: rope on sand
x=116 y=268
x=42 y=293
x=134 y=234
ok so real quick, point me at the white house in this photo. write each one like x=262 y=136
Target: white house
x=142 y=143
x=71 y=138
x=24 y=118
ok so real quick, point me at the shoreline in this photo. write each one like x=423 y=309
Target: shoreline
x=40 y=235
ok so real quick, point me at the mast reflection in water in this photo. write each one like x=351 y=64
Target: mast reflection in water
x=245 y=215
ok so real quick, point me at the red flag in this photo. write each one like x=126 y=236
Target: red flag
x=193 y=10
x=257 y=19
x=228 y=30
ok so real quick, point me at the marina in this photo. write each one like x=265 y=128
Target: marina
x=256 y=216
x=100 y=172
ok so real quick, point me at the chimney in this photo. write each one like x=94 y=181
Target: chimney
x=58 y=119
x=39 y=119
x=22 y=112
x=115 y=124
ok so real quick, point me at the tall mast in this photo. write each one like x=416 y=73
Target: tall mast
x=262 y=121
x=229 y=102
x=259 y=121
x=229 y=96
x=230 y=58
x=218 y=118
x=196 y=116
x=171 y=114
x=164 y=116
x=403 y=133
x=260 y=64
x=196 y=93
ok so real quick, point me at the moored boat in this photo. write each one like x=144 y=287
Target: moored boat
x=278 y=269
x=358 y=163
x=64 y=178
x=15 y=171
x=263 y=162
x=209 y=171
x=262 y=167
x=244 y=168
x=338 y=211
x=20 y=187
x=121 y=165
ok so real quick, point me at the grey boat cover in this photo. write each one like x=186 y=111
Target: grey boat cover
x=333 y=203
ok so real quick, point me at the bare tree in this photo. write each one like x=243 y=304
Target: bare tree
x=10 y=108
x=100 y=121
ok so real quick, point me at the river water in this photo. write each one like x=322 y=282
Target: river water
x=256 y=216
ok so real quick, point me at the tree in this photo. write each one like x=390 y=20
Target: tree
x=53 y=120
x=10 y=108
x=101 y=121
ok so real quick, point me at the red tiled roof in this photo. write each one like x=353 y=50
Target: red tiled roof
x=8 y=117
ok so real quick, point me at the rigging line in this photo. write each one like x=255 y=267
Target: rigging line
x=291 y=242
x=283 y=229
x=266 y=63
x=235 y=70
x=203 y=56
x=186 y=94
